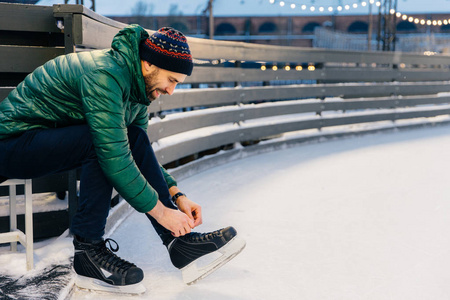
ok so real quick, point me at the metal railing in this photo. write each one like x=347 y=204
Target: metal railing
x=405 y=42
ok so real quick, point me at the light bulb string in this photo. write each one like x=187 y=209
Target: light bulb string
x=355 y=5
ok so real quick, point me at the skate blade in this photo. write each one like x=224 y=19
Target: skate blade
x=99 y=285
x=192 y=273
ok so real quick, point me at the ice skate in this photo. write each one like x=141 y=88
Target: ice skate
x=200 y=254
x=98 y=268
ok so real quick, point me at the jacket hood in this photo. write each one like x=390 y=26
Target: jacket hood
x=126 y=42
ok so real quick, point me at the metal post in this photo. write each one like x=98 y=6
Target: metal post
x=68 y=34
x=380 y=19
x=394 y=26
x=73 y=197
x=211 y=19
x=12 y=213
x=369 y=32
x=28 y=194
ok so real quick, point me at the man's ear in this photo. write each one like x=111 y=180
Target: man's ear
x=145 y=66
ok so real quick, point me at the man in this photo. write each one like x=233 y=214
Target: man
x=88 y=110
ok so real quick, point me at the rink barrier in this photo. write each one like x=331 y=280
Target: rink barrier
x=230 y=99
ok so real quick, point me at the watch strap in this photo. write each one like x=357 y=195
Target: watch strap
x=177 y=195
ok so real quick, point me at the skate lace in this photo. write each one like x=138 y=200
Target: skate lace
x=202 y=237
x=105 y=257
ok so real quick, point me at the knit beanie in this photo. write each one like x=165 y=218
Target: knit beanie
x=167 y=49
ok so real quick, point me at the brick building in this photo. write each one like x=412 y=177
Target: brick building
x=285 y=30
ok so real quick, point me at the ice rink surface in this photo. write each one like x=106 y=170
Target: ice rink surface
x=356 y=218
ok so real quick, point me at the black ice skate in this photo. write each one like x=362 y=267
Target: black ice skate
x=98 y=268
x=185 y=252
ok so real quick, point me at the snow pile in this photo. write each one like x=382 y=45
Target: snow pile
x=51 y=277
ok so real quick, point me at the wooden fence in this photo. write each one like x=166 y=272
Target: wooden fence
x=240 y=92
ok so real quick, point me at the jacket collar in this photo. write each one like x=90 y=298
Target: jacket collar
x=126 y=42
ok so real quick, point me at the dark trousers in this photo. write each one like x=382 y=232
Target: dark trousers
x=43 y=152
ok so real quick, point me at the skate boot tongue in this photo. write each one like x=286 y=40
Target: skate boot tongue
x=201 y=237
x=116 y=265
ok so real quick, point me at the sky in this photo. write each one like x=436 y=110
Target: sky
x=350 y=218
x=252 y=7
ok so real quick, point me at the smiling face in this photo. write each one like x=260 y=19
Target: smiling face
x=159 y=81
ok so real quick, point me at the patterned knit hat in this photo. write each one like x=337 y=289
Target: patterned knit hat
x=167 y=49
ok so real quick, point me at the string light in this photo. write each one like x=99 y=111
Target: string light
x=313 y=8
x=355 y=5
x=414 y=20
x=287 y=67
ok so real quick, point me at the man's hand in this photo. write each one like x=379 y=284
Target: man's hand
x=190 y=208
x=174 y=220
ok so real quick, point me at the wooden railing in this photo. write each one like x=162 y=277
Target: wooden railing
x=230 y=98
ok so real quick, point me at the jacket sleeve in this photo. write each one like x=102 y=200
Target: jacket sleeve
x=141 y=119
x=102 y=98
x=169 y=178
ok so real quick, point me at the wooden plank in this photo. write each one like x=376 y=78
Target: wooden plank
x=210 y=117
x=187 y=147
x=213 y=140
x=14 y=236
x=209 y=49
x=90 y=30
x=214 y=97
x=26 y=59
x=20 y=17
x=4 y=91
x=92 y=34
x=217 y=75
x=191 y=121
x=62 y=10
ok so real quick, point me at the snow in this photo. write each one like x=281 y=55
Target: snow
x=54 y=251
x=44 y=202
x=353 y=218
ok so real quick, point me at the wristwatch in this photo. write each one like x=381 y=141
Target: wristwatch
x=176 y=196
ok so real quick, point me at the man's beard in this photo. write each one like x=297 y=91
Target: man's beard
x=150 y=84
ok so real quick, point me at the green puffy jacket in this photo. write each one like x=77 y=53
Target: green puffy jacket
x=103 y=88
